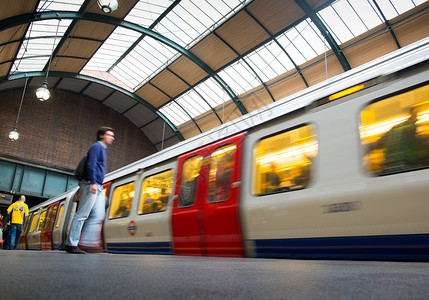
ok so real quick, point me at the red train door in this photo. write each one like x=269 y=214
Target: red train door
x=205 y=219
x=46 y=234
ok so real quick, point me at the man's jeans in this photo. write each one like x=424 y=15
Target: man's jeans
x=15 y=235
x=91 y=209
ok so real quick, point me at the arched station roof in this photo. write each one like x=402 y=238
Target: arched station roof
x=176 y=68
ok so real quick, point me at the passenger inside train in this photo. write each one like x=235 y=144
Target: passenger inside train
x=284 y=161
x=188 y=182
x=395 y=132
x=221 y=168
x=155 y=192
x=121 y=202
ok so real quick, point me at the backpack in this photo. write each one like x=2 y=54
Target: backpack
x=79 y=173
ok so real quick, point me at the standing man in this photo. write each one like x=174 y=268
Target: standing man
x=18 y=210
x=92 y=201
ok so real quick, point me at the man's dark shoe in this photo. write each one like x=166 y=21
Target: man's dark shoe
x=73 y=249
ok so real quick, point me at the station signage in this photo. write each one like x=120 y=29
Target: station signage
x=5 y=198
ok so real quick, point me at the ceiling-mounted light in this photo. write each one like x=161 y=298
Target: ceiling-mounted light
x=14 y=135
x=42 y=93
x=108 y=6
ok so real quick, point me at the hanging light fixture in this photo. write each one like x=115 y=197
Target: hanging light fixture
x=14 y=135
x=108 y=6
x=42 y=93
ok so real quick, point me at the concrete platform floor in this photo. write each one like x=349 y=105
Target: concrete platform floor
x=59 y=275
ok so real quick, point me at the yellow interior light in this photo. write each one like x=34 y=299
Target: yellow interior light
x=346 y=92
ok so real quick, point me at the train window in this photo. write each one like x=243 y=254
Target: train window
x=26 y=223
x=394 y=133
x=41 y=220
x=121 y=201
x=53 y=213
x=34 y=221
x=48 y=218
x=59 y=216
x=155 y=192
x=283 y=162
x=188 y=182
x=221 y=171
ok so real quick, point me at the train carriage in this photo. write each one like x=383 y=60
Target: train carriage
x=339 y=171
x=344 y=207
x=47 y=224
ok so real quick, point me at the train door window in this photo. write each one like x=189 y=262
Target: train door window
x=53 y=213
x=48 y=218
x=26 y=223
x=34 y=221
x=394 y=133
x=60 y=214
x=284 y=161
x=188 y=182
x=221 y=173
x=41 y=220
x=155 y=192
x=121 y=201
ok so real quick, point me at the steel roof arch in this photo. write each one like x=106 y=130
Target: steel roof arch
x=101 y=82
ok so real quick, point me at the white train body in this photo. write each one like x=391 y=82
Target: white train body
x=350 y=206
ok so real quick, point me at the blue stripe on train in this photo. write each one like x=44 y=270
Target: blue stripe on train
x=383 y=247
x=140 y=248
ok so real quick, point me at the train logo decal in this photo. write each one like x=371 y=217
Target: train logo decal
x=132 y=227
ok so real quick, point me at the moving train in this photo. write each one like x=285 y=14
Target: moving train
x=336 y=171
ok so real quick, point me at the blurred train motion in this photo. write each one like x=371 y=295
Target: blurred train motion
x=336 y=171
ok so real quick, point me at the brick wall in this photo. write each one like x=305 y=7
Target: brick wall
x=58 y=132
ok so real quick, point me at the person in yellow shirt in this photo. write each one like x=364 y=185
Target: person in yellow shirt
x=18 y=210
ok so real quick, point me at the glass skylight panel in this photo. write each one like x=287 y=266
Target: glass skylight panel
x=347 y=19
x=269 y=61
x=143 y=61
x=193 y=103
x=303 y=42
x=174 y=113
x=239 y=77
x=191 y=20
x=393 y=8
x=64 y=5
x=368 y=12
x=336 y=25
x=211 y=92
x=175 y=28
x=145 y=13
x=112 y=49
x=353 y=22
x=38 y=45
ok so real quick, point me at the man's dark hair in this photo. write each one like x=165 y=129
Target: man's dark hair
x=102 y=130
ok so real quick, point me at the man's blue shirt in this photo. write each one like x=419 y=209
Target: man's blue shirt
x=96 y=163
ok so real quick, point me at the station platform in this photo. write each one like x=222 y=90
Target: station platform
x=59 y=275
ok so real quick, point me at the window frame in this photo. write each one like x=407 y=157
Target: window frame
x=60 y=214
x=179 y=202
x=383 y=97
x=41 y=225
x=36 y=222
x=112 y=195
x=142 y=191
x=226 y=145
x=254 y=166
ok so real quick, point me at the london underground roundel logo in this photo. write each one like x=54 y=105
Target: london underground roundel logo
x=132 y=227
